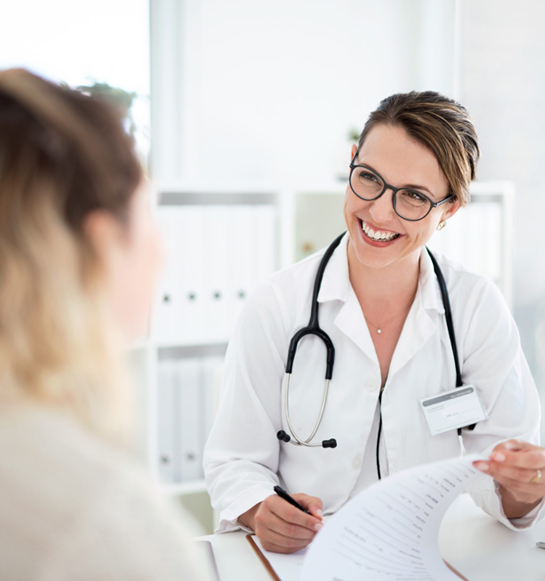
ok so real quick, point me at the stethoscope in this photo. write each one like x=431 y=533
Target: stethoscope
x=313 y=328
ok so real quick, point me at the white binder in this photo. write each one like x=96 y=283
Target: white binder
x=473 y=237
x=241 y=247
x=166 y=422
x=216 y=260
x=191 y=265
x=167 y=304
x=211 y=380
x=492 y=241
x=265 y=241
x=189 y=381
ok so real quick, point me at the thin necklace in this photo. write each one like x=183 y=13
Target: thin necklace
x=380 y=327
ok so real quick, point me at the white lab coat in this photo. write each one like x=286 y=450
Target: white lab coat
x=244 y=458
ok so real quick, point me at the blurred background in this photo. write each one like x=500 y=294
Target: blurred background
x=244 y=113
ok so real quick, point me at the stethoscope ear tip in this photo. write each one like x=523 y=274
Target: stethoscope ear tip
x=281 y=435
x=330 y=443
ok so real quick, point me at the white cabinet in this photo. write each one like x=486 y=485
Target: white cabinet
x=218 y=246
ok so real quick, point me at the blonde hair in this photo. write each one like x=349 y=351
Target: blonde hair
x=62 y=156
x=440 y=124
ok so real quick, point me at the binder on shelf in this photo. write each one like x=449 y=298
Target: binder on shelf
x=191 y=265
x=167 y=305
x=492 y=240
x=188 y=383
x=215 y=273
x=474 y=239
x=212 y=368
x=241 y=247
x=166 y=422
x=476 y=231
x=265 y=241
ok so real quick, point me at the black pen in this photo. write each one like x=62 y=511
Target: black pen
x=283 y=494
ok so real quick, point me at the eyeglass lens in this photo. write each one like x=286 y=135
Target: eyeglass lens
x=409 y=204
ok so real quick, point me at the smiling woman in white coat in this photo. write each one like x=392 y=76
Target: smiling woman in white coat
x=380 y=303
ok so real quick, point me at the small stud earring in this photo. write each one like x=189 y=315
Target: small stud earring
x=441 y=225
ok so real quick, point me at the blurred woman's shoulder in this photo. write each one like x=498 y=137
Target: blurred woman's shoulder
x=74 y=507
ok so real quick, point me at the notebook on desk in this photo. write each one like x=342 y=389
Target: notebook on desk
x=206 y=554
x=388 y=531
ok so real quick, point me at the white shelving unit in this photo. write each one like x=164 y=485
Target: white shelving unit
x=161 y=411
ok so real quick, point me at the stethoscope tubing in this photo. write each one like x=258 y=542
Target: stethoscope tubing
x=313 y=328
x=299 y=441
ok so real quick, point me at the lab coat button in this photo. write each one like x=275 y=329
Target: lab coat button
x=357 y=462
x=371 y=384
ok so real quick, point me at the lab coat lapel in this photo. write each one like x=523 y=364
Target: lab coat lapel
x=336 y=286
x=351 y=322
x=417 y=330
x=419 y=326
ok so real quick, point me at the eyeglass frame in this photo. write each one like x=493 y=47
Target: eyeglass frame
x=387 y=186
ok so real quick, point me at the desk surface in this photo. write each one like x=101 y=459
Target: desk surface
x=475 y=544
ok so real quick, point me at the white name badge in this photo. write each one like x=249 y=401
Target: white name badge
x=454 y=409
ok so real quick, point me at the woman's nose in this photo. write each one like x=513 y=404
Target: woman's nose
x=382 y=209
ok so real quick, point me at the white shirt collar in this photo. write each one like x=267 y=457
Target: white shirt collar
x=336 y=281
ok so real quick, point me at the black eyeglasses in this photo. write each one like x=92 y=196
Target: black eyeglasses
x=409 y=204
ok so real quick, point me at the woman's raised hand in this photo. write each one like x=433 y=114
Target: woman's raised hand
x=281 y=527
x=518 y=467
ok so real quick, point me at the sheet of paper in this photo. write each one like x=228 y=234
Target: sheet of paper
x=390 y=530
x=287 y=567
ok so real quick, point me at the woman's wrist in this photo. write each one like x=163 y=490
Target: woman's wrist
x=514 y=508
x=247 y=518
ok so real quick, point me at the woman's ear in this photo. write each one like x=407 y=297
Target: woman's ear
x=104 y=233
x=451 y=209
x=354 y=149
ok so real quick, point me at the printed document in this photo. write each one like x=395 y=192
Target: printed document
x=391 y=530
x=388 y=532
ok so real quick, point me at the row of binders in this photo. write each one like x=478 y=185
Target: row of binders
x=187 y=392
x=473 y=237
x=215 y=255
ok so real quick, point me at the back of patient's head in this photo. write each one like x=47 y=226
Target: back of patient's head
x=63 y=155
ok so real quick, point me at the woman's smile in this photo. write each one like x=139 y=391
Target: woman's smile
x=378 y=236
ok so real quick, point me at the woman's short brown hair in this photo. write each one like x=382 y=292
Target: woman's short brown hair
x=440 y=124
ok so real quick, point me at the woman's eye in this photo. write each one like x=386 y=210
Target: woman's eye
x=415 y=196
x=366 y=176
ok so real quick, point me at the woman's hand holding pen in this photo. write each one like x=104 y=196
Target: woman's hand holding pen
x=281 y=527
x=517 y=466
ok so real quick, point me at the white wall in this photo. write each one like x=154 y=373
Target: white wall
x=270 y=88
x=503 y=85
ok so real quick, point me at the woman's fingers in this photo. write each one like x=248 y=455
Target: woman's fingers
x=287 y=527
x=290 y=518
x=517 y=466
x=529 y=459
x=519 y=453
x=284 y=528
x=311 y=503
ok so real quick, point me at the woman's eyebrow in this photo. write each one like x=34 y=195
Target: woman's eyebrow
x=411 y=186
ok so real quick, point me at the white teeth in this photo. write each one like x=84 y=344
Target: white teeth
x=378 y=235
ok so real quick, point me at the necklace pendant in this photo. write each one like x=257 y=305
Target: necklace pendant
x=379 y=331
